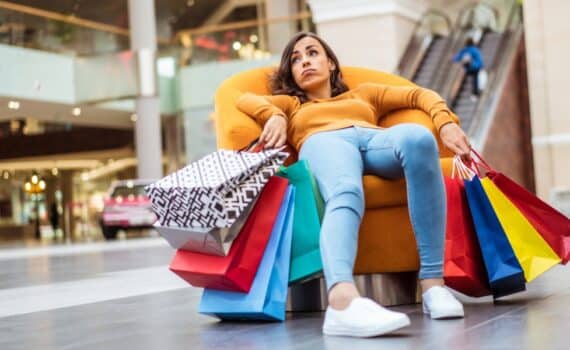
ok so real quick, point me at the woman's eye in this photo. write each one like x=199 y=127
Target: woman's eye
x=313 y=52
x=295 y=60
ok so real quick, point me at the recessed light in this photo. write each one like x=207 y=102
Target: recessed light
x=76 y=111
x=14 y=105
x=134 y=117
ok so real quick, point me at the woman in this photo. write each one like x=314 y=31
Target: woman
x=335 y=130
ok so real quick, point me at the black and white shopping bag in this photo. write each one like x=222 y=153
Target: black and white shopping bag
x=213 y=191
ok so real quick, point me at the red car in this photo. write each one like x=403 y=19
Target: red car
x=126 y=206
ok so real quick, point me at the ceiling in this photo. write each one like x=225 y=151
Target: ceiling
x=175 y=14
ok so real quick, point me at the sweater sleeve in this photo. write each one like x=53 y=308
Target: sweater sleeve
x=261 y=108
x=390 y=98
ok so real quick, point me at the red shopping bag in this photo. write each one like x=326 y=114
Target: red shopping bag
x=236 y=271
x=464 y=269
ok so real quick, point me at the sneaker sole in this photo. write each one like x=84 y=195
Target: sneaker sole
x=450 y=314
x=369 y=332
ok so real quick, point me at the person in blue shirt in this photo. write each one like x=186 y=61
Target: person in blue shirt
x=472 y=60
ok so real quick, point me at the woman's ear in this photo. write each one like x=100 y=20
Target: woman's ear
x=332 y=66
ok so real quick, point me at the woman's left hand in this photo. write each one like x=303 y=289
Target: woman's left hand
x=455 y=139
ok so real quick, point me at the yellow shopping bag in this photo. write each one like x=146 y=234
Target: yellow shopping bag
x=531 y=250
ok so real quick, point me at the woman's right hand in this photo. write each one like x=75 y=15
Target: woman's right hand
x=274 y=132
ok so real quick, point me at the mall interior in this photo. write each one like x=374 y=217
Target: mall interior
x=100 y=98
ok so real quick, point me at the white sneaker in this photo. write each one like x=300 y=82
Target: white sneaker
x=439 y=303
x=363 y=318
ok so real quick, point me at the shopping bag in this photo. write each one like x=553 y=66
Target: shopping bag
x=214 y=241
x=533 y=253
x=213 y=191
x=235 y=272
x=482 y=78
x=268 y=294
x=464 y=270
x=305 y=250
x=504 y=272
x=551 y=224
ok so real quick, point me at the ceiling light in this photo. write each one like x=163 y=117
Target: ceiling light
x=236 y=45
x=54 y=171
x=76 y=111
x=14 y=105
x=134 y=117
x=6 y=175
x=253 y=38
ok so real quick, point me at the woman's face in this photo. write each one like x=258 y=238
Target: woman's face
x=310 y=65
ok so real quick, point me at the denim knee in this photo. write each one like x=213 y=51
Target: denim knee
x=348 y=195
x=419 y=140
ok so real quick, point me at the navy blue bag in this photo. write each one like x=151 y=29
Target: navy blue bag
x=267 y=297
x=503 y=269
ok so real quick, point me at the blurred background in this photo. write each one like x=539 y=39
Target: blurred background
x=82 y=84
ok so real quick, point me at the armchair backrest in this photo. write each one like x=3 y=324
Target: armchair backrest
x=235 y=130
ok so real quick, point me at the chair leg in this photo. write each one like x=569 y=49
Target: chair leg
x=388 y=289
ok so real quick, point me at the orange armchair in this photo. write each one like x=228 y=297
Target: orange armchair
x=386 y=240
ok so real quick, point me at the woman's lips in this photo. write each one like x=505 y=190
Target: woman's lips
x=308 y=72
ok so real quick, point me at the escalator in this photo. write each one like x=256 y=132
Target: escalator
x=426 y=72
x=464 y=104
x=430 y=42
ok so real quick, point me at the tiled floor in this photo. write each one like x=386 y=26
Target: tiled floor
x=122 y=296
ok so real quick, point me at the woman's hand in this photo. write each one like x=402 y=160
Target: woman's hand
x=455 y=139
x=274 y=132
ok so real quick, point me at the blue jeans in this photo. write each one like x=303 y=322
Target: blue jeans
x=339 y=159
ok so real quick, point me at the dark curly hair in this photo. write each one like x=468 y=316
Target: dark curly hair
x=282 y=81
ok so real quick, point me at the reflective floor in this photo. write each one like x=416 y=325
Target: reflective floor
x=121 y=295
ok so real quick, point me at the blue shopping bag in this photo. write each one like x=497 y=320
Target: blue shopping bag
x=268 y=294
x=504 y=272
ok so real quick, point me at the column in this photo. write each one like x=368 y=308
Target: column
x=546 y=31
x=148 y=144
x=367 y=33
x=279 y=33
x=67 y=221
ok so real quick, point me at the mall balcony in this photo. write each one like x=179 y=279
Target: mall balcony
x=100 y=98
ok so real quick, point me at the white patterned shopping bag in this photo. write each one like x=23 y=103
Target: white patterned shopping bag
x=214 y=190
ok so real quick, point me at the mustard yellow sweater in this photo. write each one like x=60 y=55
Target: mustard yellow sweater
x=364 y=106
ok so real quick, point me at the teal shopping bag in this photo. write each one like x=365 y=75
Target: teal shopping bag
x=267 y=297
x=309 y=209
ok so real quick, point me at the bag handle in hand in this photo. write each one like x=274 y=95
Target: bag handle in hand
x=254 y=146
x=477 y=162
x=463 y=171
